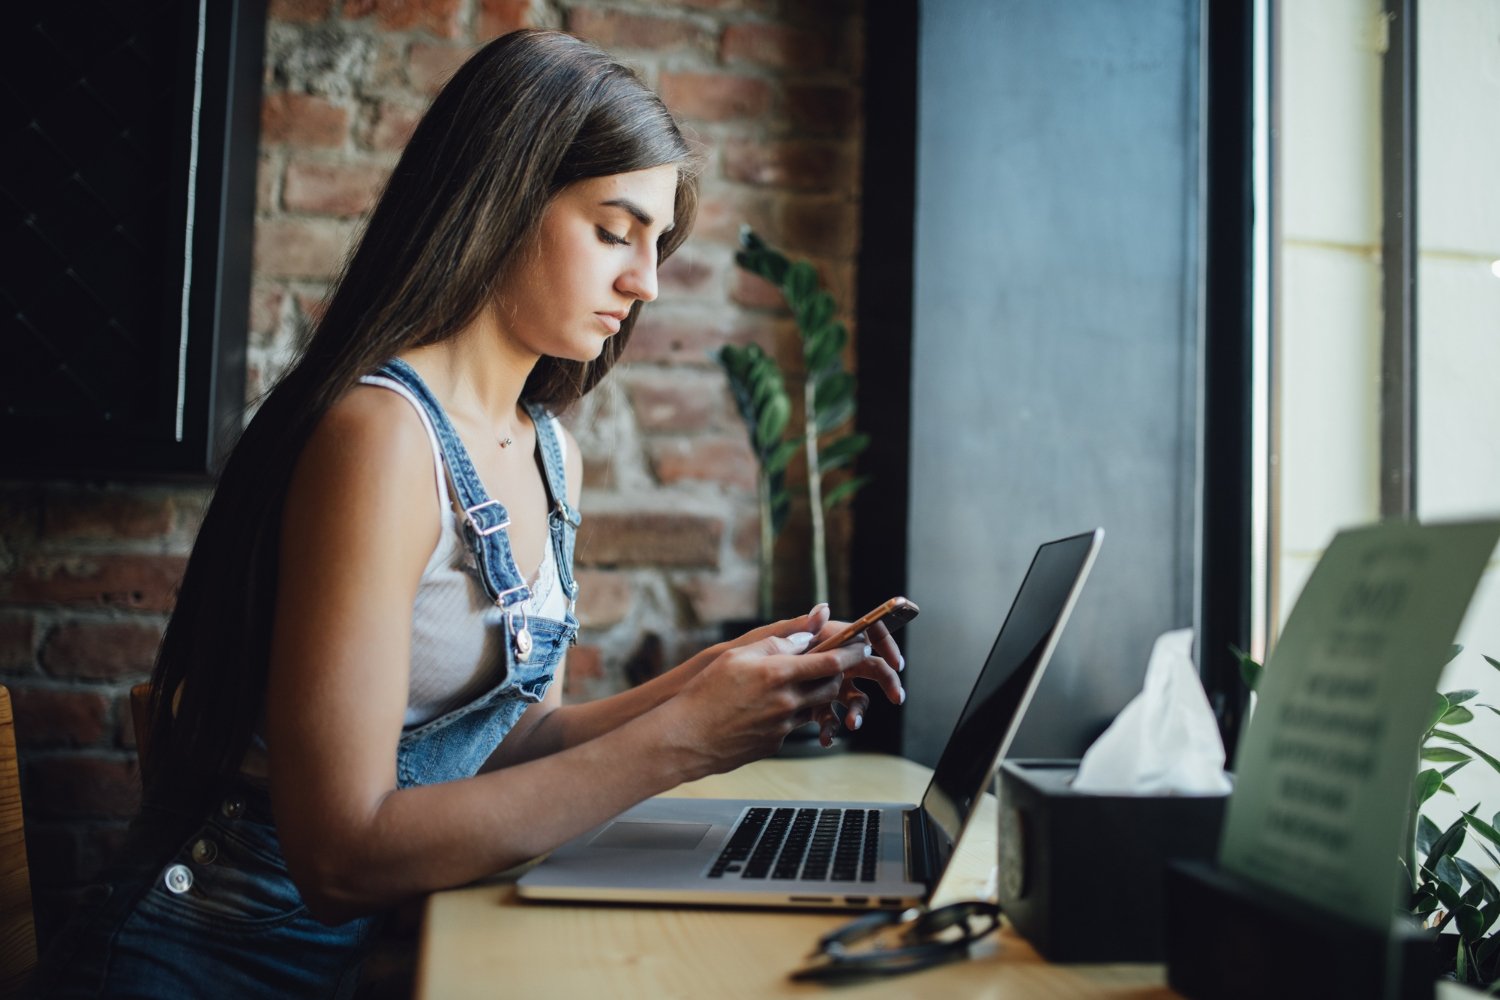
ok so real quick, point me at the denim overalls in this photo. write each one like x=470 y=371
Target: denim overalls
x=214 y=913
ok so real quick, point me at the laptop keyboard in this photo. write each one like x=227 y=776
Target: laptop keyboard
x=813 y=845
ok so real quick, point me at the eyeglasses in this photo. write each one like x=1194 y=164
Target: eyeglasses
x=926 y=938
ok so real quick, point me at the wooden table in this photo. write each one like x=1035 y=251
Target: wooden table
x=482 y=941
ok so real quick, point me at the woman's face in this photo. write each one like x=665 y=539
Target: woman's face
x=593 y=258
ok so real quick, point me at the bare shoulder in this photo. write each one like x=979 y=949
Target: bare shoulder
x=369 y=459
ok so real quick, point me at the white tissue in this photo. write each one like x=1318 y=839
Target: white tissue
x=1165 y=742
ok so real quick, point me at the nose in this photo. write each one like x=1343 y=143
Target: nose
x=639 y=280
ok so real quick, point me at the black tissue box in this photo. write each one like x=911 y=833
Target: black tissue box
x=1082 y=876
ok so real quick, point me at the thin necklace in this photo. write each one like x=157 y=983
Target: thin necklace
x=507 y=441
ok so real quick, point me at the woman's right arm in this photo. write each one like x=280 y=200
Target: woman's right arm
x=359 y=524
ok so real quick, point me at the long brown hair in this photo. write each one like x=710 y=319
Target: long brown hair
x=529 y=114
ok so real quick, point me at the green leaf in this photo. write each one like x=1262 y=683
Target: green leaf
x=1459 y=697
x=1457 y=716
x=845 y=489
x=1445 y=755
x=771 y=423
x=1492 y=661
x=833 y=417
x=1482 y=828
x=820 y=350
x=1440 y=708
x=1461 y=962
x=1470 y=921
x=782 y=454
x=1250 y=668
x=1448 y=842
x=1448 y=772
x=1477 y=880
x=1449 y=874
x=1427 y=831
x=1426 y=787
x=834 y=391
x=1453 y=737
x=814 y=314
x=839 y=453
x=799 y=282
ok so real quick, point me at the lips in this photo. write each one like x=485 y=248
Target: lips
x=611 y=321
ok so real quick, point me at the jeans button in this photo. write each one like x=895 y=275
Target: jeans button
x=178 y=879
x=233 y=807
x=205 y=851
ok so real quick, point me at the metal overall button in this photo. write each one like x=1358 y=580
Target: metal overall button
x=520 y=637
x=205 y=851
x=233 y=807
x=178 y=879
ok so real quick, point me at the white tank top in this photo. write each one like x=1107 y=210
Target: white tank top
x=456 y=631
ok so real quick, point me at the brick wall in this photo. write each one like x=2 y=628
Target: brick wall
x=770 y=88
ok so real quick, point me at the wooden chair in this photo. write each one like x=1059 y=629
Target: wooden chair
x=17 y=929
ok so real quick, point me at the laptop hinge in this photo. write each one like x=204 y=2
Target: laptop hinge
x=919 y=847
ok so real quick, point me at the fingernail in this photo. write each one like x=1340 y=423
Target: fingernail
x=902 y=664
x=799 y=640
x=903 y=697
x=856 y=720
x=869 y=649
x=815 y=607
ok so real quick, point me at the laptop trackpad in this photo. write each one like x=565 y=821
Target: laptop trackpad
x=657 y=836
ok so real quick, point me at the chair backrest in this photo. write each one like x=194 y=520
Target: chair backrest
x=17 y=930
x=140 y=717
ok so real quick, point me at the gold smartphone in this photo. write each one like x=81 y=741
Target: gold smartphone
x=894 y=613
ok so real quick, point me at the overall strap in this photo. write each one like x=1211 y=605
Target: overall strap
x=485 y=519
x=564 y=518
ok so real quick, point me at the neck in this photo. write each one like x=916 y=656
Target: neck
x=478 y=372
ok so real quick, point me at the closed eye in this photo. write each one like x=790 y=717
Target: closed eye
x=606 y=236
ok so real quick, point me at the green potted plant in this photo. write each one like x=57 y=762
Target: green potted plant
x=760 y=394
x=827 y=394
x=1449 y=893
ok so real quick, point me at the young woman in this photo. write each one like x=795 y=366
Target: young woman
x=356 y=700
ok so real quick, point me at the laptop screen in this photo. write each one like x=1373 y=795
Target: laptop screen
x=989 y=719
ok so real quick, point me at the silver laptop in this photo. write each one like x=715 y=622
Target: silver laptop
x=854 y=855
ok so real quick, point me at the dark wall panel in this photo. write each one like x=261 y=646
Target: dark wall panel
x=1055 y=341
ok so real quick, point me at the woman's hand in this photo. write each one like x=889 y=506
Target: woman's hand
x=880 y=646
x=742 y=704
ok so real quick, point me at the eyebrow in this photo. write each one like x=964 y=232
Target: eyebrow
x=640 y=214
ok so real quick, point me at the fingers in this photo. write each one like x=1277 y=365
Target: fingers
x=884 y=644
x=879 y=670
x=856 y=703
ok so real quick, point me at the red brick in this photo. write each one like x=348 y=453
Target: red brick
x=599 y=470
x=754 y=291
x=612 y=29
x=500 y=17
x=681 y=404
x=822 y=109
x=428 y=67
x=439 y=17
x=50 y=718
x=393 y=126
x=685 y=273
x=773 y=45
x=82 y=787
x=723 y=597
x=331 y=188
x=798 y=164
x=302 y=120
x=715 y=97
x=726 y=460
x=122 y=650
x=299 y=248
x=722 y=213
x=265 y=184
x=17 y=642
x=124 y=722
x=265 y=312
x=667 y=337
x=300 y=11
x=604 y=598
x=585 y=664
x=140 y=582
x=823 y=226
x=116 y=514
x=649 y=538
